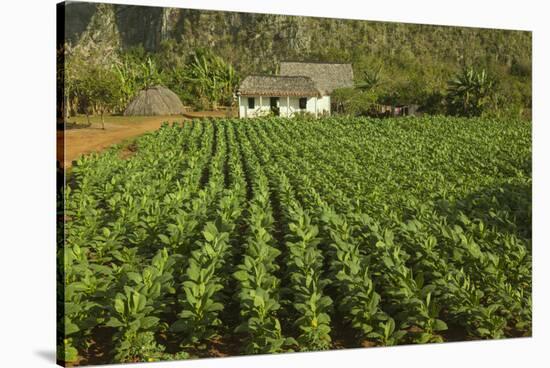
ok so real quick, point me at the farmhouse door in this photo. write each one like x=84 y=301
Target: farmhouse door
x=274 y=103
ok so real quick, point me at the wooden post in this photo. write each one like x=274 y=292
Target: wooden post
x=287 y=106
x=240 y=106
x=315 y=107
x=66 y=109
x=260 y=105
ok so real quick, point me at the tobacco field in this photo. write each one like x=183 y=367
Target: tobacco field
x=226 y=237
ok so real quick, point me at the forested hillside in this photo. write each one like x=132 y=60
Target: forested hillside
x=415 y=61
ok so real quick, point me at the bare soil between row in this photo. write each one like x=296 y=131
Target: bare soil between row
x=72 y=143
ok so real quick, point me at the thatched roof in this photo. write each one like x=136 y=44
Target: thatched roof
x=155 y=100
x=277 y=85
x=327 y=76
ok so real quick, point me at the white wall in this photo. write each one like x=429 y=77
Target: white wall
x=293 y=106
x=323 y=106
x=258 y=110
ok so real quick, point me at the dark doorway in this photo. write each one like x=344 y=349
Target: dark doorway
x=274 y=103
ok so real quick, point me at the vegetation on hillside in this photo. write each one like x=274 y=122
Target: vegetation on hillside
x=201 y=55
x=204 y=80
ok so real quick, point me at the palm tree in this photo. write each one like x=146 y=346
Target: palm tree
x=371 y=79
x=470 y=92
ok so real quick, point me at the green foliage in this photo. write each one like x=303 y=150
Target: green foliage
x=417 y=60
x=199 y=317
x=136 y=310
x=388 y=335
x=211 y=78
x=305 y=265
x=521 y=68
x=284 y=233
x=201 y=79
x=135 y=72
x=66 y=352
x=139 y=347
x=354 y=102
x=359 y=302
x=371 y=78
x=470 y=93
x=258 y=284
x=149 y=74
x=103 y=89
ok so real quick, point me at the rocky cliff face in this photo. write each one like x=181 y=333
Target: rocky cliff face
x=256 y=42
x=77 y=19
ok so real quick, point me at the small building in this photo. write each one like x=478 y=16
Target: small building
x=406 y=110
x=300 y=87
x=397 y=110
x=394 y=110
x=261 y=95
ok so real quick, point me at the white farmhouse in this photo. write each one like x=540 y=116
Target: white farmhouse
x=299 y=87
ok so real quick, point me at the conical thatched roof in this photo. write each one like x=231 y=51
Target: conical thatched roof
x=155 y=100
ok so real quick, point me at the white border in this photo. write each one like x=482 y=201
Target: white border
x=27 y=203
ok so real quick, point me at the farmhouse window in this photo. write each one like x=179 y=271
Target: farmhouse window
x=303 y=102
x=250 y=102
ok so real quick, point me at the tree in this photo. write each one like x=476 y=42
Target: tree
x=102 y=87
x=353 y=101
x=470 y=93
x=81 y=91
x=61 y=84
x=77 y=73
x=70 y=62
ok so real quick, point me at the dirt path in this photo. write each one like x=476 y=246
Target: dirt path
x=117 y=129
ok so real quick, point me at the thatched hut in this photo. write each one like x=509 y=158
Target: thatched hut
x=157 y=100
